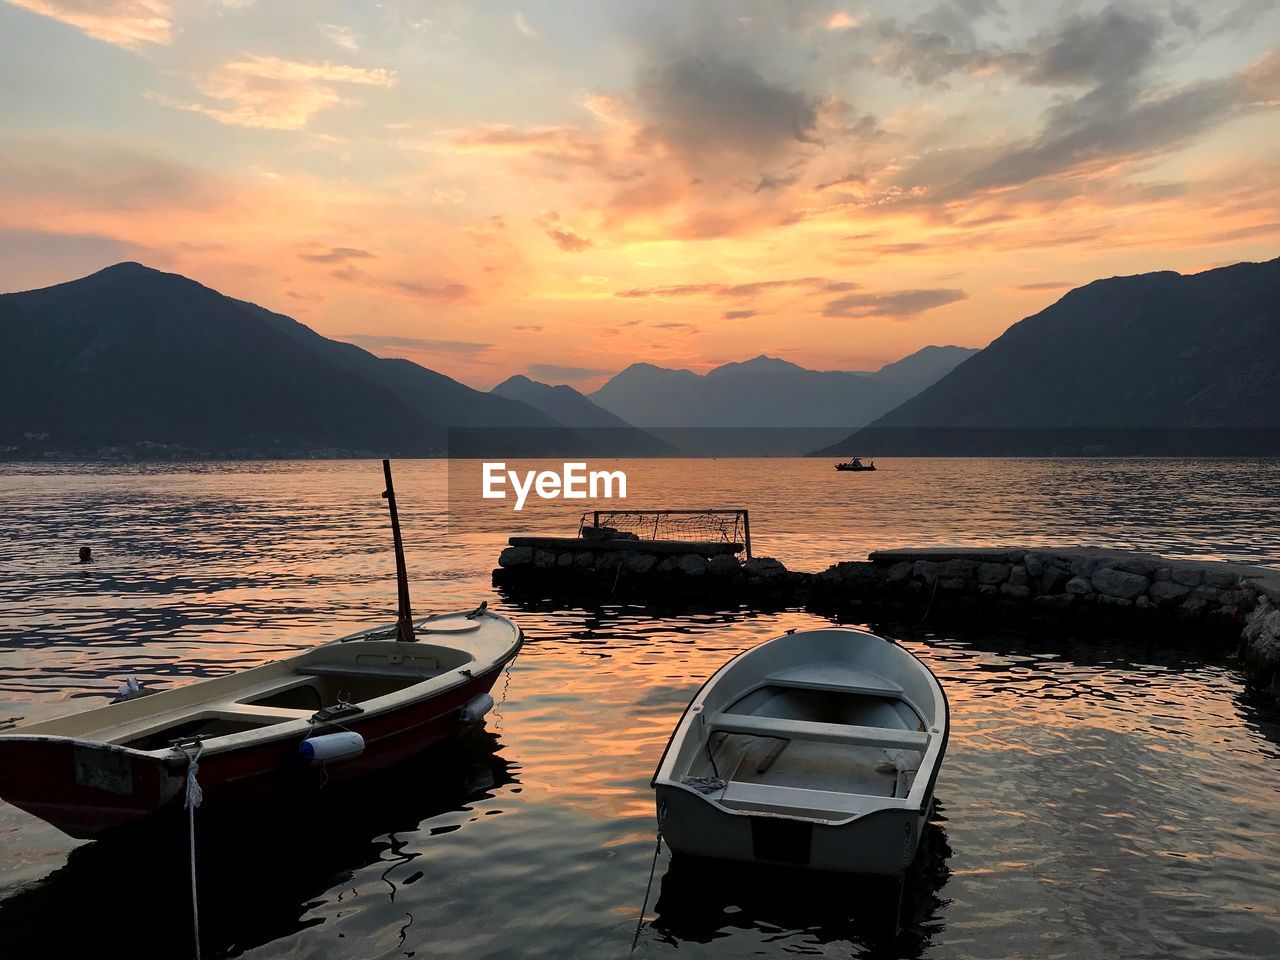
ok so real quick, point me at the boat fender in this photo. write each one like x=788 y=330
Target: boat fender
x=329 y=747
x=475 y=709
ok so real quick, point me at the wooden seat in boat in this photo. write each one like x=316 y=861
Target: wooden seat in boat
x=882 y=737
x=768 y=797
x=341 y=669
x=834 y=677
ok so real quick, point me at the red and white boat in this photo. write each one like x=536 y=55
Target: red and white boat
x=332 y=713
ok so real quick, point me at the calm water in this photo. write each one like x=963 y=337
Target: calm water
x=1098 y=799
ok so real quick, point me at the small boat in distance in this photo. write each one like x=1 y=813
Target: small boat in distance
x=855 y=464
x=333 y=713
x=817 y=749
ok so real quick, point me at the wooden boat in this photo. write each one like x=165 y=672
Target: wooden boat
x=334 y=712
x=855 y=464
x=818 y=749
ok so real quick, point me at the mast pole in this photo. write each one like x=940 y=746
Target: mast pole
x=404 y=613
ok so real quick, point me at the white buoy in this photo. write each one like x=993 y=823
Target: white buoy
x=329 y=747
x=475 y=709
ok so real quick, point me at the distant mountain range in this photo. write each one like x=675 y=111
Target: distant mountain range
x=1158 y=363
x=768 y=392
x=567 y=406
x=134 y=362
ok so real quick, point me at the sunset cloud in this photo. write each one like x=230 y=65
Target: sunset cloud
x=125 y=23
x=271 y=93
x=679 y=177
x=897 y=304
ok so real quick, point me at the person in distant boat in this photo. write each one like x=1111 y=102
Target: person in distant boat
x=857 y=461
x=86 y=555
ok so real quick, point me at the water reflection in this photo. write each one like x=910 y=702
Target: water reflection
x=1104 y=798
x=790 y=911
x=261 y=877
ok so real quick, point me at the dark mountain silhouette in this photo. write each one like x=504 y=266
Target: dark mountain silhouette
x=766 y=392
x=562 y=403
x=926 y=366
x=155 y=364
x=1155 y=363
x=567 y=406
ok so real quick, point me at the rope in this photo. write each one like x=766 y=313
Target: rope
x=194 y=797
x=653 y=867
x=929 y=606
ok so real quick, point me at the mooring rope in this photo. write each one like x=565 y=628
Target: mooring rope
x=194 y=797
x=653 y=868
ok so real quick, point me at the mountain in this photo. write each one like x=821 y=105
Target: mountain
x=1155 y=363
x=148 y=363
x=925 y=367
x=567 y=406
x=765 y=392
x=562 y=403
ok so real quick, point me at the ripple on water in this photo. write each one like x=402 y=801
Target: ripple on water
x=1098 y=799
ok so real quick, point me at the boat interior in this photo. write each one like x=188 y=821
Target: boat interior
x=825 y=741
x=287 y=691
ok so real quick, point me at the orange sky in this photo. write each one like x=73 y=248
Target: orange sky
x=563 y=189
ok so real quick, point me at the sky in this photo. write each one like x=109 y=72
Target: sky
x=562 y=189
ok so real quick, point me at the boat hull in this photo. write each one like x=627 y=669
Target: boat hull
x=883 y=843
x=90 y=789
x=818 y=750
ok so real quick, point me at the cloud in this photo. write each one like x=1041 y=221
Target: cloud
x=523 y=25
x=563 y=145
x=555 y=372
x=1109 y=47
x=705 y=106
x=1044 y=285
x=568 y=241
x=270 y=93
x=736 y=290
x=343 y=37
x=897 y=304
x=124 y=23
x=337 y=255
x=414 y=289
x=465 y=348
x=529 y=327
x=739 y=314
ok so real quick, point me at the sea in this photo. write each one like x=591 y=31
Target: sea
x=1100 y=797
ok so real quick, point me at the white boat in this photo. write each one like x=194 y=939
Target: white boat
x=817 y=749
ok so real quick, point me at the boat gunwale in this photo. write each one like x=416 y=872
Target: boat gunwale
x=286 y=729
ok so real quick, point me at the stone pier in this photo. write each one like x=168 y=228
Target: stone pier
x=1231 y=604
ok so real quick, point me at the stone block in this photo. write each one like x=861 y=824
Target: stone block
x=692 y=565
x=564 y=559
x=1186 y=575
x=1168 y=591
x=639 y=562
x=959 y=567
x=1117 y=583
x=926 y=569
x=1139 y=565
x=723 y=565
x=515 y=557
x=544 y=559
x=1014 y=590
x=1019 y=577
x=1034 y=564
x=1222 y=579
x=993 y=572
x=1079 y=586
x=899 y=571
